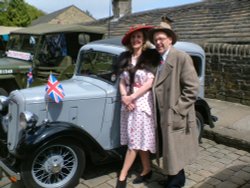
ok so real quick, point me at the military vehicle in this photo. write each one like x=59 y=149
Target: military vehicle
x=38 y=50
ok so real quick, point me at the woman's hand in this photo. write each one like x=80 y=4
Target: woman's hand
x=130 y=107
x=127 y=100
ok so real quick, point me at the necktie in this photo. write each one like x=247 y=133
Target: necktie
x=162 y=61
x=160 y=66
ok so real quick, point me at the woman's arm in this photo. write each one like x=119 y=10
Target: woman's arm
x=139 y=92
x=143 y=89
x=122 y=87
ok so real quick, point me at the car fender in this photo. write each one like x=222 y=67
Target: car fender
x=203 y=108
x=49 y=132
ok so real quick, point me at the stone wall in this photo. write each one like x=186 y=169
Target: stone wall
x=70 y=16
x=228 y=72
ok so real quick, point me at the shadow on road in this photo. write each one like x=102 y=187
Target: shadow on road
x=237 y=176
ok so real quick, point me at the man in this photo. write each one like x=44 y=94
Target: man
x=175 y=90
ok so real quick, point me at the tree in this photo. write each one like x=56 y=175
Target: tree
x=3 y=8
x=3 y=5
x=33 y=12
x=18 y=13
x=88 y=13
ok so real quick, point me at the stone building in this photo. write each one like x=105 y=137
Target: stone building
x=67 y=15
x=222 y=28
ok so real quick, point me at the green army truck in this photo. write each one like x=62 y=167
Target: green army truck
x=41 y=49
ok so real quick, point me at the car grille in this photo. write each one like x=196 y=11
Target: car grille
x=13 y=128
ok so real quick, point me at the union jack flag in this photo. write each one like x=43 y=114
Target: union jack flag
x=29 y=78
x=54 y=89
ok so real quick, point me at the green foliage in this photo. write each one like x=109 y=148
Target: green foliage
x=18 y=13
x=33 y=12
x=3 y=5
x=88 y=13
x=3 y=8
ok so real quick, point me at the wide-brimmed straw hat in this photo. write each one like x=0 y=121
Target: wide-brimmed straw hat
x=165 y=26
x=139 y=27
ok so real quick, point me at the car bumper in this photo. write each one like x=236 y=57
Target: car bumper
x=11 y=174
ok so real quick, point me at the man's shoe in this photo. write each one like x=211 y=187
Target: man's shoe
x=140 y=179
x=163 y=182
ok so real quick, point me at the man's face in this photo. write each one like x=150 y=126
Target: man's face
x=162 y=42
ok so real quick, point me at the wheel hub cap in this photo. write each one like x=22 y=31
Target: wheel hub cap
x=54 y=164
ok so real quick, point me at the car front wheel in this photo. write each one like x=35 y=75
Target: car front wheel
x=55 y=165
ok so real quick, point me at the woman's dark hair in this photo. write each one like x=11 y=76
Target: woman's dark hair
x=148 y=60
x=123 y=61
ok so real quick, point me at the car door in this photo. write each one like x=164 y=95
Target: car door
x=100 y=65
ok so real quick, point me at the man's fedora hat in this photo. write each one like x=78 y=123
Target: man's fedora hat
x=165 y=26
x=126 y=38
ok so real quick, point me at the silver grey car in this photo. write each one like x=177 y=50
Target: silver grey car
x=47 y=144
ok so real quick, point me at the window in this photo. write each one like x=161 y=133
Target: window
x=98 y=64
x=197 y=64
x=14 y=42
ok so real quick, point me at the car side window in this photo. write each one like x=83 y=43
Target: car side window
x=197 y=64
x=98 y=64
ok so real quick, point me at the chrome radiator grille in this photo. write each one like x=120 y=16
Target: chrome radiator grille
x=13 y=128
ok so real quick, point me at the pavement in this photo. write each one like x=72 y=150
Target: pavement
x=233 y=125
x=223 y=162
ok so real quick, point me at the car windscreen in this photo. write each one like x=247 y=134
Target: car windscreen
x=24 y=43
x=22 y=46
x=98 y=65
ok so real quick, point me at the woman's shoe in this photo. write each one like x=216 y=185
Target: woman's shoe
x=140 y=179
x=121 y=184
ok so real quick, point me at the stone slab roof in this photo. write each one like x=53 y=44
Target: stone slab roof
x=224 y=21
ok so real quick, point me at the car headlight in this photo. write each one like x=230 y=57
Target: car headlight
x=27 y=120
x=4 y=101
x=5 y=122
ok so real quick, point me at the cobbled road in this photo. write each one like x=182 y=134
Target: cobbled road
x=217 y=166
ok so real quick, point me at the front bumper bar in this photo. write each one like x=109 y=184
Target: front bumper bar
x=12 y=175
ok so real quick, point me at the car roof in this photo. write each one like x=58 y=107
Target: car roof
x=116 y=41
x=46 y=28
x=188 y=47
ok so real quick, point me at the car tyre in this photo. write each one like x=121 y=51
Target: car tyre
x=58 y=164
x=3 y=92
x=3 y=134
x=200 y=126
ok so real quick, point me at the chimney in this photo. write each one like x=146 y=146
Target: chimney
x=121 y=8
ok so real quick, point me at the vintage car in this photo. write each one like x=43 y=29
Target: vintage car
x=47 y=144
x=40 y=49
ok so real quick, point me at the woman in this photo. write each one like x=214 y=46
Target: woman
x=138 y=66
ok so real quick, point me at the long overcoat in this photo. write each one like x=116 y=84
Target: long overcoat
x=175 y=90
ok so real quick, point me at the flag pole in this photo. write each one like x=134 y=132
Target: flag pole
x=47 y=102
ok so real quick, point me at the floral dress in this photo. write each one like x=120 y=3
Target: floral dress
x=138 y=126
